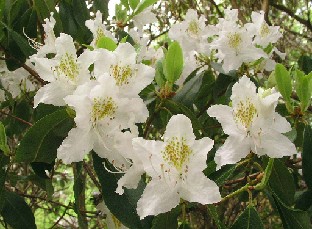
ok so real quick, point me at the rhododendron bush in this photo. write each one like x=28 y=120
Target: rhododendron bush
x=129 y=122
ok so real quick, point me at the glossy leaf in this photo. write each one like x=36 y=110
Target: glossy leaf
x=249 y=219
x=3 y=140
x=222 y=175
x=173 y=63
x=106 y=43
x=167 y=220
x=39 y=139
x=303 y=89
x=283 y=81
x=307 y=156
x=17 y=213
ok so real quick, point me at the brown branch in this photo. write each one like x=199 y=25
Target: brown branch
x=62 y=216
x=265 y=7
x=17 y=118
x=231 y=182
x=240 y=15
x=91 y=175
x=307 y=23
x=298 y=34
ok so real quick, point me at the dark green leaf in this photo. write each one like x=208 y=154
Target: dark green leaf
x=102 y=6
x=292 y=218
x=305 y=64
x=2 y=187
x=282 y=183
x=307 y=156
x=43 y=8
x=121 y=206
x=304 y=200
x=167 y=220
x=79 y=193
x=249 y=219
x=40 y=168
x=221 y=84
x=39 y=138
x=222 y=175
x=17 y=213
x=212 y=210
x=173 y=63
x=159 y=74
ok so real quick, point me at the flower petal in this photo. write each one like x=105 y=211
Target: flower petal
x=131 y=178
x=157 y=198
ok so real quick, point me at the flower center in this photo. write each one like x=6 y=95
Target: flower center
x=245 y=113
x=68 y=67
x=121 y=74
x=264 y=30
x=102 y=108
x=176 y=152
x=99 y=33
x=235 y=40
x=193 y=29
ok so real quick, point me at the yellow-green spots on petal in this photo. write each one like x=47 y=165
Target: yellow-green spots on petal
x=68 y=67
x=235 y=40
x=264 y=30
x=245 y=113
x=176 y=152
x=193 y=28
x=121 y=74
x=99 y=33
x=103 y=108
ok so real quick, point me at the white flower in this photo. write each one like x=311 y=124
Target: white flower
x=98 y=28
x=234 y=46
x=143 y=18
x=64 y=72
x=122 y=68
x=100 y=115
x=252 y=125
x=111 y=221
x=265 y=34
x=16 y=81
x=192 y=33
x=175 y=166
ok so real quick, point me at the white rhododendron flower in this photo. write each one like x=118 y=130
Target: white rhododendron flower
x=144 y=18
x=64 y=72
x=252 y=125
x=234 y=46
x=121 y=67
x=100 y=115
x=111 y=221
x=16 y=81
x=175 y=166
x=98 y=28
x=192 y=33
x=264 y=34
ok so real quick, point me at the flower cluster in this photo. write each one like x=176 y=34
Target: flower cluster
x=102 y=87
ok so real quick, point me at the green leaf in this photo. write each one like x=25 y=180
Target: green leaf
x=283 y=81
x=249 y=219
x=43 y=8
x=212 y=210
x=189 y=91
x=222 y=175
x=17 y=213
x=221 y=85
x=3 y=140
x=125 y=3
x=39 y=139
x=106 y=43
x=143 y=5
x=304 y=200
x=79 y=193
x=305 y=64
x=303 y=89
x=102 y=6
x=173 y=63
x=307 y=156
x=292 y=218
x=134 y=3
x=282 y=183
x=123 y=207
x=159 y=74
x=2 y=187
x=167 y=220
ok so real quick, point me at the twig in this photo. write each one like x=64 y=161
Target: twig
x=62 y=216
x=17 y=118
x=91 y=175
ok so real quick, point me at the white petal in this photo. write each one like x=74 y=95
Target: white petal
x=51 y=93
x=200 y=189
x=180 y=126
x=157 y=198
x=233 y=149
x=77 y=144
x=224 y=115
x=276 y=145
x=131 y=178
x=281 y=124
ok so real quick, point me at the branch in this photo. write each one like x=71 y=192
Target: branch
x=307 y=23
x=91 y=175
x=17 y=118
x=265 y=7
